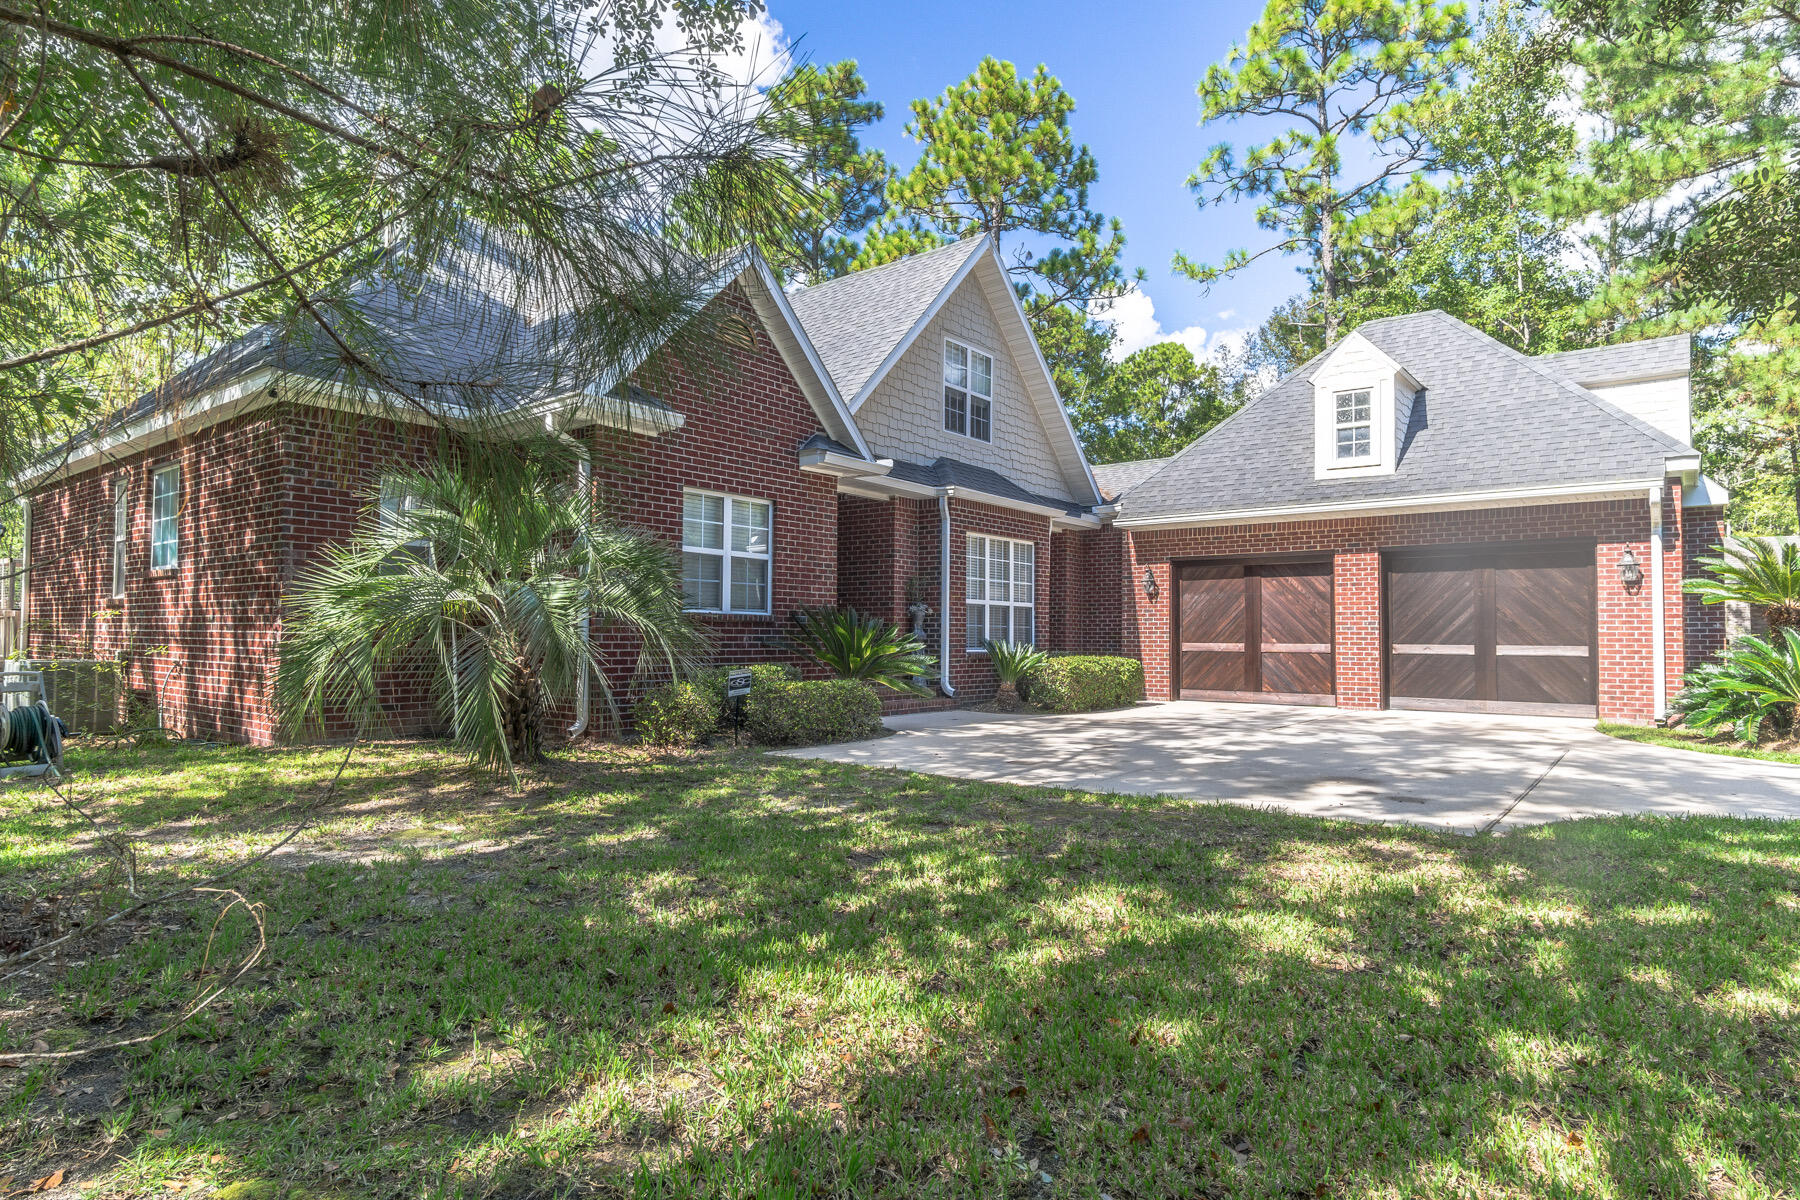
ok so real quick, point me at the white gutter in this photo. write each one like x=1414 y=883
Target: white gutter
x=944 y=592
x=1564 y=493
x=1659 y=669
x=820 y=461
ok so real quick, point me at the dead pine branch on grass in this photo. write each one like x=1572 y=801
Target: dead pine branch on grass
x=118 y=850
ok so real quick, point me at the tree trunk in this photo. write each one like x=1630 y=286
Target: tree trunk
x=522 y=711
x=1006 y=698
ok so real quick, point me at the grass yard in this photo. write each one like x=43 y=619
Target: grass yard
x=731 y=975
x=1688 y=739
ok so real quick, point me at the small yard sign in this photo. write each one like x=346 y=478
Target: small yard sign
x=737 y=683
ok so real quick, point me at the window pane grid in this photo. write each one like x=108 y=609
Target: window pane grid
x=725 y=552
x=1002 y=591
x=1354 y=428
x=121 y=537
x=968 y=392
x=164 y=509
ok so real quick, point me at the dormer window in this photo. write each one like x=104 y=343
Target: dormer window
x=968 y=392
x=1355 y=427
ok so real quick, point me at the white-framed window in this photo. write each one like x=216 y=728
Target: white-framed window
x=726 y=548
x=165 y=515
x=121 y=542
x=968 y=391
x=1002 y=591
x=1355 y=430
x=392 y=503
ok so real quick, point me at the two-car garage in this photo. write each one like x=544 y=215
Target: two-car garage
x=1509 y=628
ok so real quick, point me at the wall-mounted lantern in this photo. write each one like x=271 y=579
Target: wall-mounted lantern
x=1150 y=588
x=1631 y=574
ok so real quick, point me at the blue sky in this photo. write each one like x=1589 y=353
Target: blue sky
x=1132 y=68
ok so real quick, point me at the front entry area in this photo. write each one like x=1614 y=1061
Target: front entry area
x=1254 y=631
x=1501 y=629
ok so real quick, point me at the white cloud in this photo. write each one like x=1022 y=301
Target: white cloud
x=1225 y=314
x=1134 y=318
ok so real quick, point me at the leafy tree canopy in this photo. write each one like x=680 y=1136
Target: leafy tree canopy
x=1337 y=71
x=1154 y=403
x=174 y=172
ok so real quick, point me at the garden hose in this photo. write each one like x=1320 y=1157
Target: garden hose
x=31 y=733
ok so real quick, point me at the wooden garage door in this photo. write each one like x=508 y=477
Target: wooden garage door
x=1494 y=629
x=1249 y=631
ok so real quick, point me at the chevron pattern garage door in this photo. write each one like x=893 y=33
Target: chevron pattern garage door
x=1507 y=629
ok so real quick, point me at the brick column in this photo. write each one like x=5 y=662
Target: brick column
x=1356 y=593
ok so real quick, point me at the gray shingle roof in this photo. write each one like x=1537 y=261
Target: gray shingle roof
x=1648 y=359
x=951 y=472
x=1115 y=479
x=854 y=321
x=1489 y=418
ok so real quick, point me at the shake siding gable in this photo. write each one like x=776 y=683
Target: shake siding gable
x=904 y=416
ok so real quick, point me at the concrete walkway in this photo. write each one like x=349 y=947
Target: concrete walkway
x=1448 y=771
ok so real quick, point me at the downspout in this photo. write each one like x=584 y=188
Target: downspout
x=24 y=569
x=1659 y=681
x=944 y=684
x=584 y=476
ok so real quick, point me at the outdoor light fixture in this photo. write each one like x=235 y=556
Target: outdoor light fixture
x=1150 y=583
x=1630 y=573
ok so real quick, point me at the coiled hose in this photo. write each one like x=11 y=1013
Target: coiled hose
x=31 y=733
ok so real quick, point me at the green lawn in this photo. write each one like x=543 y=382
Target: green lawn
x=730 y=975
x=1687 y=739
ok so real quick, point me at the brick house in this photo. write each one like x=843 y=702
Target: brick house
x=893 y=440
x=1422 y=517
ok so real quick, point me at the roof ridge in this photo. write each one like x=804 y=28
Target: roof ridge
x=1568 y=385
x=905 y=260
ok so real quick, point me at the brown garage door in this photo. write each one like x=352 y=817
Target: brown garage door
x=1493 y=629
x=1249 y=631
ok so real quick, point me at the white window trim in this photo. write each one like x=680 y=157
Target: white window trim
x=1015 y=605
x=1374 y=453
x=725 y=554
x=969 y=393
x=174 y=518
x=121 y=539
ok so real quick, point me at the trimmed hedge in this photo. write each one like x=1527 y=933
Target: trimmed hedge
x=1085 y=682
x=806 y=713
x=688 y=711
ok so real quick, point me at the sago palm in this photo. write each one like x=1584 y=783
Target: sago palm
x=1012 y=662
x=1761 y=572
x=494 y=587
x=853 y=646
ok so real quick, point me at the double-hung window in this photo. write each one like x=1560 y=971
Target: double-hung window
x=121 y=532
x=725 y=552
x=393 y=502
x=968 y=392
x=165 y=515
x=1002 y=591
x=1354 y=427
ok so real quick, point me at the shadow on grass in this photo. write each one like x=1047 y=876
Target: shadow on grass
x=744 y=976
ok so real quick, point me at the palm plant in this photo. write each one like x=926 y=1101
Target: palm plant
x=495 y=590
x=1761 y=572
x=853 y=646
x=1012 y=662
x=1754 y=690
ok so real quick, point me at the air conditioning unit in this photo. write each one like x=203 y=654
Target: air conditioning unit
x=86 y=694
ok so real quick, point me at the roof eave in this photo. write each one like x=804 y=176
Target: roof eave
x=1439 y=502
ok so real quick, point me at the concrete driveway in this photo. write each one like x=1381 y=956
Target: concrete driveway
x=1449 y=771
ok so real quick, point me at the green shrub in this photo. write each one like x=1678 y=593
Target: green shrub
x=853 y=646
x=806 y=713
x=682 y=713
x=1754 y=690
x=688 y=711
x=1013 y=662
x=1085 y=682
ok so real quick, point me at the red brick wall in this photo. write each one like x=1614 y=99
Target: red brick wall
x=746 y=419
x=1703 y=529
x=971 y=673
x=1087 y=591
x=1355 y=544
x=201 y=636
